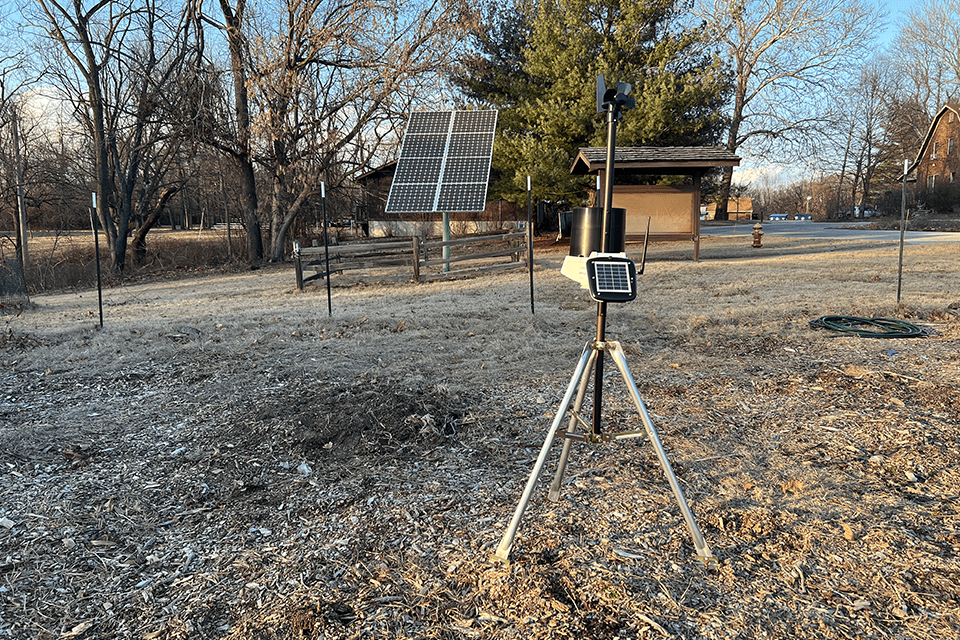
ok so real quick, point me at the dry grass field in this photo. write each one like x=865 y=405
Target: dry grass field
x=223 y=459
x=61 y=260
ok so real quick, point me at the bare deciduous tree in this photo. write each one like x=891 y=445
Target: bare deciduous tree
x=333 y=80
x=317 y=89
x=861 y=125
x=788 y=58
x=239 y=143
x=127 y=55
x=13 y=198
x=70 y=26
x=927 y=54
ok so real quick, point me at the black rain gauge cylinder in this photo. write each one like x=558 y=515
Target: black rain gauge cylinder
x=586 y=235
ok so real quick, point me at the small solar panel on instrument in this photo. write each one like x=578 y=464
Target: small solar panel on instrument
x=444 y=162
x=612 y=277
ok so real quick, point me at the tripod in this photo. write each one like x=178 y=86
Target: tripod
x=592 y=356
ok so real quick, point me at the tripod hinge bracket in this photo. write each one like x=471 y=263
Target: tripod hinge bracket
x=598 y=345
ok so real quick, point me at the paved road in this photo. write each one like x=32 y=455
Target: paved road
x=827 y=231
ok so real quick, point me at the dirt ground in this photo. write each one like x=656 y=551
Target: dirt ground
x=223 y=459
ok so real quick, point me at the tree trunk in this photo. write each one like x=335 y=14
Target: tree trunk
x=724 y=197
x=251 y=222
x=104 y=186
x=279 y=240
x=244 y=152
x=843 y=169
x=140 y=237
x=21 y=217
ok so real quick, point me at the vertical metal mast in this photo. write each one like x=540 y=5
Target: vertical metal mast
x=613 y=114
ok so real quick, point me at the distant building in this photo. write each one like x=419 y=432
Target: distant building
x=937 y=167
x=737 y=209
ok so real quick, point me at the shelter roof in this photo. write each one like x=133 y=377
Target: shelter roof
x=664 y=160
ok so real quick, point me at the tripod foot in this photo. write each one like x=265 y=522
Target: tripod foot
x=500 y=558
x=709 y=562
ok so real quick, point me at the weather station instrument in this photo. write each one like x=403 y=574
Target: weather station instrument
x=598 y=262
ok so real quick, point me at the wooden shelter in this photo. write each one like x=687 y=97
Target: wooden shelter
x=673 y=211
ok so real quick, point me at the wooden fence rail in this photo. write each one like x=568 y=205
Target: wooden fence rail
x=418 y=255
x=349 y=257
x=514 y=245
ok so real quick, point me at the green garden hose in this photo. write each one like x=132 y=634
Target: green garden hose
x=870 y=327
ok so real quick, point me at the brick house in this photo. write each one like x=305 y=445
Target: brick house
x=937 y=167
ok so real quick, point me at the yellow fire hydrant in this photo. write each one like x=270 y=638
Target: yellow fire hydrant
x=757 y=234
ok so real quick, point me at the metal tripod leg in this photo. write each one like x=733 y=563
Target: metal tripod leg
x=554 y=495
x=703 y=551
x=582 y=376
x=503 y=551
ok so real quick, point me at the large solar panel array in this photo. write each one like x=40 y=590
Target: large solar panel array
x=444 y=162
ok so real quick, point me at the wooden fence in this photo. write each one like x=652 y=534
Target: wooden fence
x=349 y=257
x=514 y=245
x=418 y=255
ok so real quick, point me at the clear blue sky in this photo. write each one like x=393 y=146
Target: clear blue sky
x=896 y=10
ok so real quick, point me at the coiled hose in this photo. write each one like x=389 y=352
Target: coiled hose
x=870 y=327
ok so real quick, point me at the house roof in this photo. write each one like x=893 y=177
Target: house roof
x=944 y=110
x=383 y=171
x=655 y=159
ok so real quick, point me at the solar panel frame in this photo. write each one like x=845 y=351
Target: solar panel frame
x=611 y=278
x=445 y=156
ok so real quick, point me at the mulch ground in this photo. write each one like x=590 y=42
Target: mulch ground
x=224 y=493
